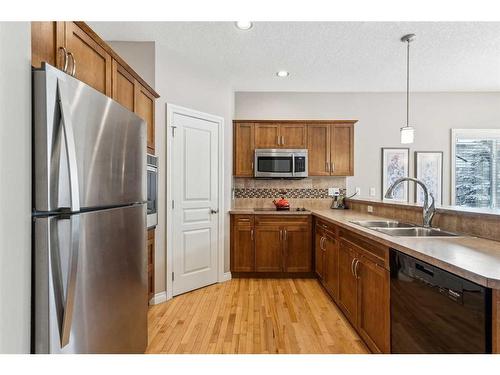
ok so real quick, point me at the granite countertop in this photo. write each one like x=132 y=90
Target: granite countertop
x=472 y=258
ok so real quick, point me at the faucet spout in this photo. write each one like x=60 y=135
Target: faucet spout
x=428 y=209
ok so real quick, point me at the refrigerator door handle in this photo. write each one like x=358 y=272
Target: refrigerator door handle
x=65 y=304
x=69 y=139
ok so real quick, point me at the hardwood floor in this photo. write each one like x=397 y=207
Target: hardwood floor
x=252 y=316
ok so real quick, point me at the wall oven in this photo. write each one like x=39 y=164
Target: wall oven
x=152 y=173
x=280 y=163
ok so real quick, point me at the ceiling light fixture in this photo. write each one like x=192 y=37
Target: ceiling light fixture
x=244 y=25
x=282 y=73
x=407 y=132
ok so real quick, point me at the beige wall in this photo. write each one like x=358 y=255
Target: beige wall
x=380 y=116
x=140 y=56
x=188 y=86
x=15 y=187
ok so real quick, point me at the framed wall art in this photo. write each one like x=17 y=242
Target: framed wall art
x=429 y=169
x=395 y=164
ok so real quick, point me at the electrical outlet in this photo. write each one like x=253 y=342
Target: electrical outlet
x=333 y=192
x=372 y=192
x=358 y=191
x=369 y=209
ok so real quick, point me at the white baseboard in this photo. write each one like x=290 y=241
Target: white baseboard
x=158 y=298
x=226 y=276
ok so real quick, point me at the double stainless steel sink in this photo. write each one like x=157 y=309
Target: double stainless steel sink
x=397 y=229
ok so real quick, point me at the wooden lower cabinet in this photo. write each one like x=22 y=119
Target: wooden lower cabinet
x=319 y=253
x=297 y=247
x=151 y=263
x=348 y=285
x=268 y=248
x=331 y=278
x=271 y=244
x=373 y=305
x=355 y=273
x=242 y=239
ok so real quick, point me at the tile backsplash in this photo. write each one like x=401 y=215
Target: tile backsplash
x=309 y=192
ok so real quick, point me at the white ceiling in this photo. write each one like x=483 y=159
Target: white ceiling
x=330 y=56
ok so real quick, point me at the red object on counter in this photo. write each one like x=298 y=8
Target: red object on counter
x=281 y=204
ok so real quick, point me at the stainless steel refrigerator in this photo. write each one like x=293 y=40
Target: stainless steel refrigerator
x=89 y=220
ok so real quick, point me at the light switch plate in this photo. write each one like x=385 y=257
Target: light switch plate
x=372 y=192
x=358 y=191
x=369 y=209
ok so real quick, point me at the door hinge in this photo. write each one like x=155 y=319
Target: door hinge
x=173 y=205
x=173 y=130
x=172 y=276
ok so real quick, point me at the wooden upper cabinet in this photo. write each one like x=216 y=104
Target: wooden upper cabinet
x=342 y=149
x=47 y=40
x=374 y=305
x=318 y=146
x=145 y=108
x=96 y=64
x=292 y=135
x=244 y=146
x=93 y=63
x=123 y=86
x=267 y=136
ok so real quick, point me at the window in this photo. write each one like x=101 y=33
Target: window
x=475 y=163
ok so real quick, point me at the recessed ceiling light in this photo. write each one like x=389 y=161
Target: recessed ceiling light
x=244 y=25
x=282 y=73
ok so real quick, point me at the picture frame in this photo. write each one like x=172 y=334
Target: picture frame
x=395 y=164
x=429 y=169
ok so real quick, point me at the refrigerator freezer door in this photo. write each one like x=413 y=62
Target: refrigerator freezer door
x=105 y=150
x=107 y=291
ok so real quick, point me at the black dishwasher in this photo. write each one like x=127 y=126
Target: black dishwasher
x=435 y=311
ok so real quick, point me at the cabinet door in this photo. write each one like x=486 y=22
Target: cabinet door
x=297 y=243
x=348 y=288
x=93 y=63
x=342 y=150
x=373 y=305
x=268 y=248
x=242 y=247
x=123 y=86
x=318 y=146
x=47 y=38
x=331 y=264
x=267 y=136
x=145 y=108
x=151 y=263
x=293 y=136
x=244 y=145
x=319 y=258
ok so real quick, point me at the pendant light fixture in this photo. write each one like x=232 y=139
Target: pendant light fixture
x=407 y=132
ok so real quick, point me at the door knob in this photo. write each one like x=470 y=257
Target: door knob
x=212 y=211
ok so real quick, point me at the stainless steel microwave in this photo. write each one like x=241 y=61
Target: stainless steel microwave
x=280 y=163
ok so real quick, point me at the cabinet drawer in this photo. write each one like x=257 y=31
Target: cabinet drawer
x=326 y=226
x=377 y=253
x=282 y=220
x=243 y=220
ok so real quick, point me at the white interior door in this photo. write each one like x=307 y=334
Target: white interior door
x=195 y=211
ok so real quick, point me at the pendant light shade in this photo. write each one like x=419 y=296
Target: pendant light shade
x=407 y=132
